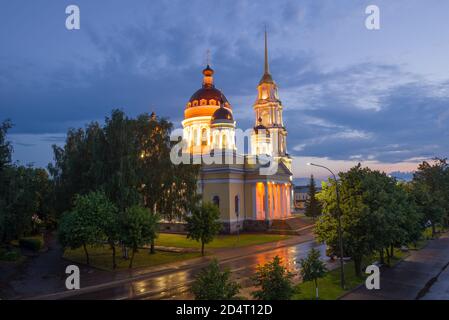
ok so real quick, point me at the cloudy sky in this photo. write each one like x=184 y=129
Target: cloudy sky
x=350 y=94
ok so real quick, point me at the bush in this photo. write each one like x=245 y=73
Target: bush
x=30 y=243
x=213 y=284
x=9 y=255
x=274 y=281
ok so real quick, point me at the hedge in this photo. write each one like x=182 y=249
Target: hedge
x=30 y=243
x=6 y=255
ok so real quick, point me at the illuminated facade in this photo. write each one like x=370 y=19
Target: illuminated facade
x=247 y=198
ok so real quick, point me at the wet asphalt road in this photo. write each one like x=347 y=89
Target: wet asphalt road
x=175 y=285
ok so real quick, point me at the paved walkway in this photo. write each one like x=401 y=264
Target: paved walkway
x=422 y=275
x=44 y=272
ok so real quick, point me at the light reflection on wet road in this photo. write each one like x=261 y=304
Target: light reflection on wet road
x=174 y=285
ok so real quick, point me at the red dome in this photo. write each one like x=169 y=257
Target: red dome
x=208 y=94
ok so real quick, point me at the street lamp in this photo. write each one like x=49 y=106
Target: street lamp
x=340 y=238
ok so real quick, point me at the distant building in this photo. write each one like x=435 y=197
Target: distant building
x=300 y=196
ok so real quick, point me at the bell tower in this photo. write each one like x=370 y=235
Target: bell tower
x=268 y=112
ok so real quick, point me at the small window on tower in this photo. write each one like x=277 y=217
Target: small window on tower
x=212 y=102
x=216 y=201
x=203 y=102
x=237 y=204
x=264 y=94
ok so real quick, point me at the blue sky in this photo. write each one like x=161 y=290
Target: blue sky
x=350 y=95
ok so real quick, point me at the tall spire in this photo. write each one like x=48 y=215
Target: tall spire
x=266 y=69
x=208 y=57
x=266 y=78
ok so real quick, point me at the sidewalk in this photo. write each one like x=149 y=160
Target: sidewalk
x=422 y=275
x=93 y=280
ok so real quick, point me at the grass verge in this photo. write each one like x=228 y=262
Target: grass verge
x=101 y=257
x=329 y=286
x=222 y=241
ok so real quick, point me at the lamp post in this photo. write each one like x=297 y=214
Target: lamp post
x=340 y=237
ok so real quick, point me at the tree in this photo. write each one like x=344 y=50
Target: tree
x=72 y=234
x=213 y=284
x=403 y=222
x=312 y=206
x=375 y=211
x=166 y=188
x=25 y=192
x=377 y=215
x=274 y=281
x=5 y=145
x=203 y=224
x=106 y=215
x=24 y=195
x=5 y=161
x=431 y=191
x=354 y=224
x=127 y=158
x=312 y=268
x=138 y=228
x=86 y=223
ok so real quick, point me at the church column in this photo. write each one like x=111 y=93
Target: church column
x=289 y=200
x=267 y=209
x=281 y=205
x=254 y=201
x=279 y=196
x=283 y=202
x=276 y=201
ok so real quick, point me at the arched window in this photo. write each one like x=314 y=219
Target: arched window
x=237 y=205
x=216 y=201
x=204 y=137
x=265 y=118
x=195 y=136
x=224 y=141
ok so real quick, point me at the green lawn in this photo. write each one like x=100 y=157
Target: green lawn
x=101 y=257
x=223 y=241
x=329 y=286
x=37 y=237
x=306 y=218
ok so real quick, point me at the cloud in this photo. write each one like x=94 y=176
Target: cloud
x=341 y=103
x=409 y=120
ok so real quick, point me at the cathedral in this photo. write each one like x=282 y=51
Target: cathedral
x=251 y=186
